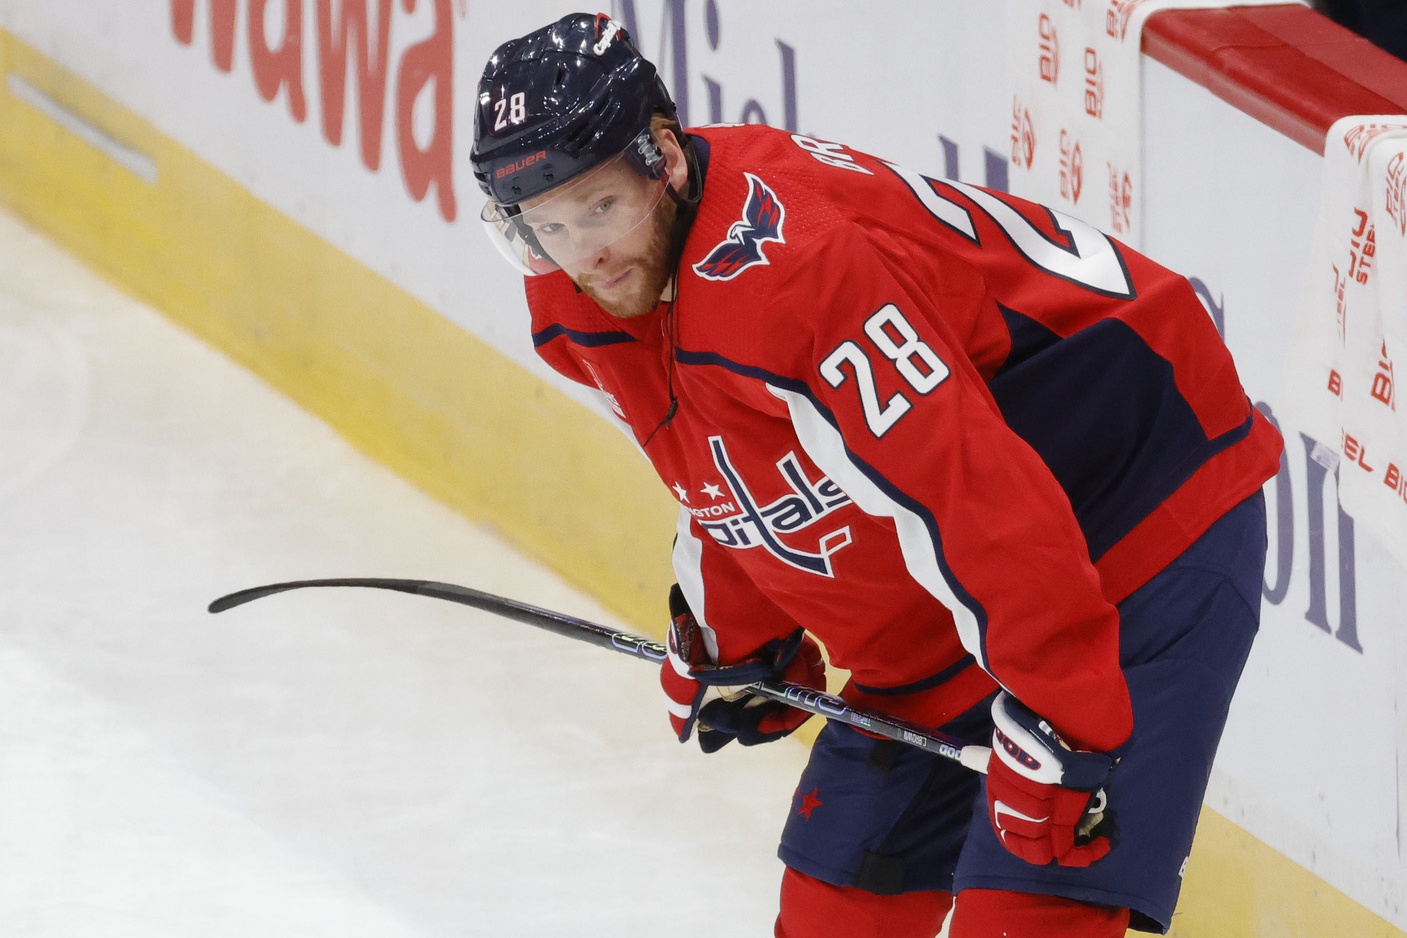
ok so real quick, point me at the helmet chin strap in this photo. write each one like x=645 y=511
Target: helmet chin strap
x=686 y=207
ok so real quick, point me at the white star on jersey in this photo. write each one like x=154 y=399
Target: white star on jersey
x=682 y=492
x=713 y=491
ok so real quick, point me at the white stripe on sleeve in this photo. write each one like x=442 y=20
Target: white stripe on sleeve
x=688 y=571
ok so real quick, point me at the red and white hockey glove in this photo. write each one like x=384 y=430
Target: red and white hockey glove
x=1045 y=800
x=711 y=697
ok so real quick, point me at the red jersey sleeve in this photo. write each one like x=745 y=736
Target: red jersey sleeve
x=548 y=296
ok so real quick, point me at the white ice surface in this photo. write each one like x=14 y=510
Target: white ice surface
x=323 y=763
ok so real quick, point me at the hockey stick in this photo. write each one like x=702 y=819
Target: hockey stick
x=793 y=695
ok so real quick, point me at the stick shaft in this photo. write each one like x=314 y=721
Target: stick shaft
x=793 y=695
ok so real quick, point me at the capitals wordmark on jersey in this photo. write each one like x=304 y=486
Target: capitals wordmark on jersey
x=743 y=524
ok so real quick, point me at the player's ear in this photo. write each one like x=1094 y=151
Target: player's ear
x=674 y=159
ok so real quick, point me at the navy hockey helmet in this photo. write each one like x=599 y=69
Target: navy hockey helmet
x=561 y=100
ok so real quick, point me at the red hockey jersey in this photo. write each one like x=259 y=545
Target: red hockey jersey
x=942 y=428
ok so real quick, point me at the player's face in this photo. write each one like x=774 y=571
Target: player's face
x=611 y=234
x=628 y=277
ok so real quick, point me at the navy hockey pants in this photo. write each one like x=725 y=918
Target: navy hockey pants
x=889 y=818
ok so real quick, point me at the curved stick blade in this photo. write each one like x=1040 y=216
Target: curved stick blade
x=556 y=622
x=258 y=592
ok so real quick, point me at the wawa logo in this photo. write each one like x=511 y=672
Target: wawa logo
x=348 y=37
x=741 y=523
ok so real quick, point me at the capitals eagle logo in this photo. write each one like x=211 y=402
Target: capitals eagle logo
x=763 y=214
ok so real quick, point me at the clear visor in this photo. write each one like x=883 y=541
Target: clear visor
x=569 y=225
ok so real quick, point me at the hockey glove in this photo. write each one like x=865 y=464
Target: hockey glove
x=712 y=698
x=1045 y=801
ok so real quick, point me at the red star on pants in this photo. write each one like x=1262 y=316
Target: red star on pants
x=810 y=803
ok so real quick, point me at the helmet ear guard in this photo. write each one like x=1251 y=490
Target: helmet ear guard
x=647 y=156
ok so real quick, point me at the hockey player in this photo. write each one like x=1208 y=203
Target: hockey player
x=998 y=463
